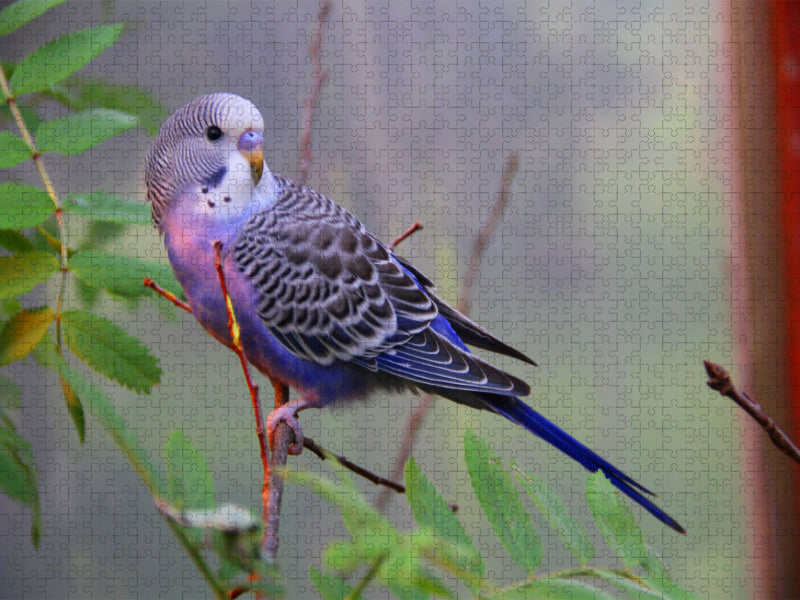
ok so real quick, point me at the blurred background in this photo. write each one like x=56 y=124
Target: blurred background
x=641 y=236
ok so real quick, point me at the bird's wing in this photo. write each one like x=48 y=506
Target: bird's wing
x=328 y=290
x=429 y=358
x=469 y=331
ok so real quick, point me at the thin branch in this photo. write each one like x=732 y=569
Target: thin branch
x=417 y=226
x=147 y=282
x=409 y=438
x=371 y=574
x=487 y=231
x=198 y=560
x=318 y=78
x=282 y=440
x=233 y=328
x=323 y=454
x=720 y=380
x=51 y=191
x=481 y=242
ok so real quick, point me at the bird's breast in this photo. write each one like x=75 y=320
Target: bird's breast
x=193 y=261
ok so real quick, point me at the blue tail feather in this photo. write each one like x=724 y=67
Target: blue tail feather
x=520 y=413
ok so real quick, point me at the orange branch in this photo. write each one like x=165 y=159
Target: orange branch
x=233 y=328
x=147 y=282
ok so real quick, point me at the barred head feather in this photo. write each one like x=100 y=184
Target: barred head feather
x=187 y=150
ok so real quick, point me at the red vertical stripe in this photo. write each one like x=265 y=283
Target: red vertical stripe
x=787 y=67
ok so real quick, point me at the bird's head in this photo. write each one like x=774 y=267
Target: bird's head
x=209 y=150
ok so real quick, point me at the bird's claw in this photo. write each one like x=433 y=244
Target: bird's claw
x=285 y=414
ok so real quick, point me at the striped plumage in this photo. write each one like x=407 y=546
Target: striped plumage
x=323 y=305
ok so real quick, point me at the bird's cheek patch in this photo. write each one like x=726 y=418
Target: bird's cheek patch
x=228 y=192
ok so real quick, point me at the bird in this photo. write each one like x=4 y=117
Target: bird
x=322 y=304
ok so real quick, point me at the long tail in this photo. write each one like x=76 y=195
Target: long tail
x=517 y=411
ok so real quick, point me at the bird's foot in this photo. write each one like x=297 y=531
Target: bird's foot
x=287 y=413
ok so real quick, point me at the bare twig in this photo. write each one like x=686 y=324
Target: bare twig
x=318 y=78
x=409 y=438
x=284 y=437
x=487 y=231
x=417 y=226
x=720 y=380
x=371 y=574
x=311 y=445
x=233 y=328
x=147 y=282
x=473 y=268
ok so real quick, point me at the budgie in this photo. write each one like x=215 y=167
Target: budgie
x=323 y=305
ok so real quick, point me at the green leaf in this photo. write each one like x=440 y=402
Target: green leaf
x=330 y=587
x=23 y=206
x=23 y=333
x=10 y=395
x=629 y=586
x=10 y=307
x=557 y=514
x=189 y=479
x=61 y=57
x=99 y=407
x=20 y=273
x=394 y=558
x=18 y=476
x=12 y=150
x=13 y=241
x=660 y=579
x=665 y=589
x=653 y=565
x=77 y=132
x=502 y=504
x=130 y=99
x=101 y=234
x=15 y=16
x=101 y=206
x=442 y=554
x=18 y=457
x=110 y=350
x=122 y=275
x=616 y=521
x=551 y=588
x=346 y=557
x=87 y=295
x=431 y=511
x=74 y=408
x=42 y=240
x=28 y=115
x=14 y=480
x=359 y=516
x=406 y=577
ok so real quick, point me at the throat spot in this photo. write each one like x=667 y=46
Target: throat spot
x=214 y=179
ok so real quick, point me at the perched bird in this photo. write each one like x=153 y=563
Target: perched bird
x=323 y=305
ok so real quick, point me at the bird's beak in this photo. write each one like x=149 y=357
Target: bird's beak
x=251 y=146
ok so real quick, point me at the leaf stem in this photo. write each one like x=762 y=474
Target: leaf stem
x=197 y=559
x=51 y=191
x=369 y=576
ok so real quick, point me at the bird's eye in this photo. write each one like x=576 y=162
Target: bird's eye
x=213 y=133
